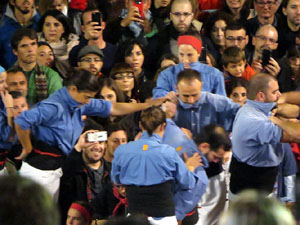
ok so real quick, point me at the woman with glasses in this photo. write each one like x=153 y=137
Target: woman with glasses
x=123 y=74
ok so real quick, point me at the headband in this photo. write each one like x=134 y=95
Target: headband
x=1 y=70
x=86 y=215
x=190 y=40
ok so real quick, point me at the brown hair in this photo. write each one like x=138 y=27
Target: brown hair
x=151 y=118
x=232 y=54
x=258 y=83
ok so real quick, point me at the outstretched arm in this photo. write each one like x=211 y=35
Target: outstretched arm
x=24 y=137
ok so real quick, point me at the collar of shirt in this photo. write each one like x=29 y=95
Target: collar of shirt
x=154 y=137
x=70 y=102
x=265 y=107
x=191 y=106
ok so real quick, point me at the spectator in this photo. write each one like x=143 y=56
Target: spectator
x=24 y=44
x=84 y=170
x=20 y=15
x=123 y=74
x=16 y=81
x=93 y=35
x=239 y=10
x=55 y=29
x=28 y=200
x=90 y=58
x=167 y=60
x=80 y=213
x=46 y=57
x=235 y=65
x=265 y=38
x=255 y=208
x=237 y=90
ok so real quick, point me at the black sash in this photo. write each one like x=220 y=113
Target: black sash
x=155 y=200
x=244 y=176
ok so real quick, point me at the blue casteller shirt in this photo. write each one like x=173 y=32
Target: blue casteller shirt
x=209 y=109
x=5 y=129
x=187 y=200
x=57 y=119
x=213 y=79
x=148 y=162
x=255 y=139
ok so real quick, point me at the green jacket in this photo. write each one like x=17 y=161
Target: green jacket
x=54 y=82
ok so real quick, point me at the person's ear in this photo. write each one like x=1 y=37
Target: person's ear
x=204 y=147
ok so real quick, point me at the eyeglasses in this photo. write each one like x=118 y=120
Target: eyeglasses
x=238 y=39
x=268 y=3
x=178 y=14
x=123 y=75
x=89 y=60
x=265 y=39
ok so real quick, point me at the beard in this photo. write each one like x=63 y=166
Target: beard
x=23 y=11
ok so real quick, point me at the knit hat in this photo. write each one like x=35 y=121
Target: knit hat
x=89 y=49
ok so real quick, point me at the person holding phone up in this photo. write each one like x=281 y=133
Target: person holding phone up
x=265 y=39
x=135 y=22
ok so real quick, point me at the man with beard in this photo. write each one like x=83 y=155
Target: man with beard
x=84 y=170
x=90 y=58
x=265 y=38
x=256 y=139
x=42 y=81
x=21 y=13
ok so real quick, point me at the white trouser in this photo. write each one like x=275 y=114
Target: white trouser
x=169 y=220
x=212 y=203
x=3 y=172
x=49 y=179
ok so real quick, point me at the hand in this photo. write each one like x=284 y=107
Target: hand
x=256 y=65
x=169 y=108
x=173 y=97
x=157 y=101
x=193 y=162
x=275 y=120
x=147 y=26
x=132 y=16
x=187 y=132
x=82 y=143
x=132 y=100
x=273 y=67
x=23 y=154
x=92 y=31
x=7 y=99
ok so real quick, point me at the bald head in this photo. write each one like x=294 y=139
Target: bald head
x=266 y=37
x=267 y=28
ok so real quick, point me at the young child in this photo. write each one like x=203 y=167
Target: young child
x=234 y=64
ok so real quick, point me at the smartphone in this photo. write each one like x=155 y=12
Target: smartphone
x=202 y=58
x=140 y=5
x=97 y=136
x=266 y=55
x=96 y=17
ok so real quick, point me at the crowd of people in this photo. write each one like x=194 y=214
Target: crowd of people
x=165 y=111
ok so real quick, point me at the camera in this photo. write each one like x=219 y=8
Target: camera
x=97 y=136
